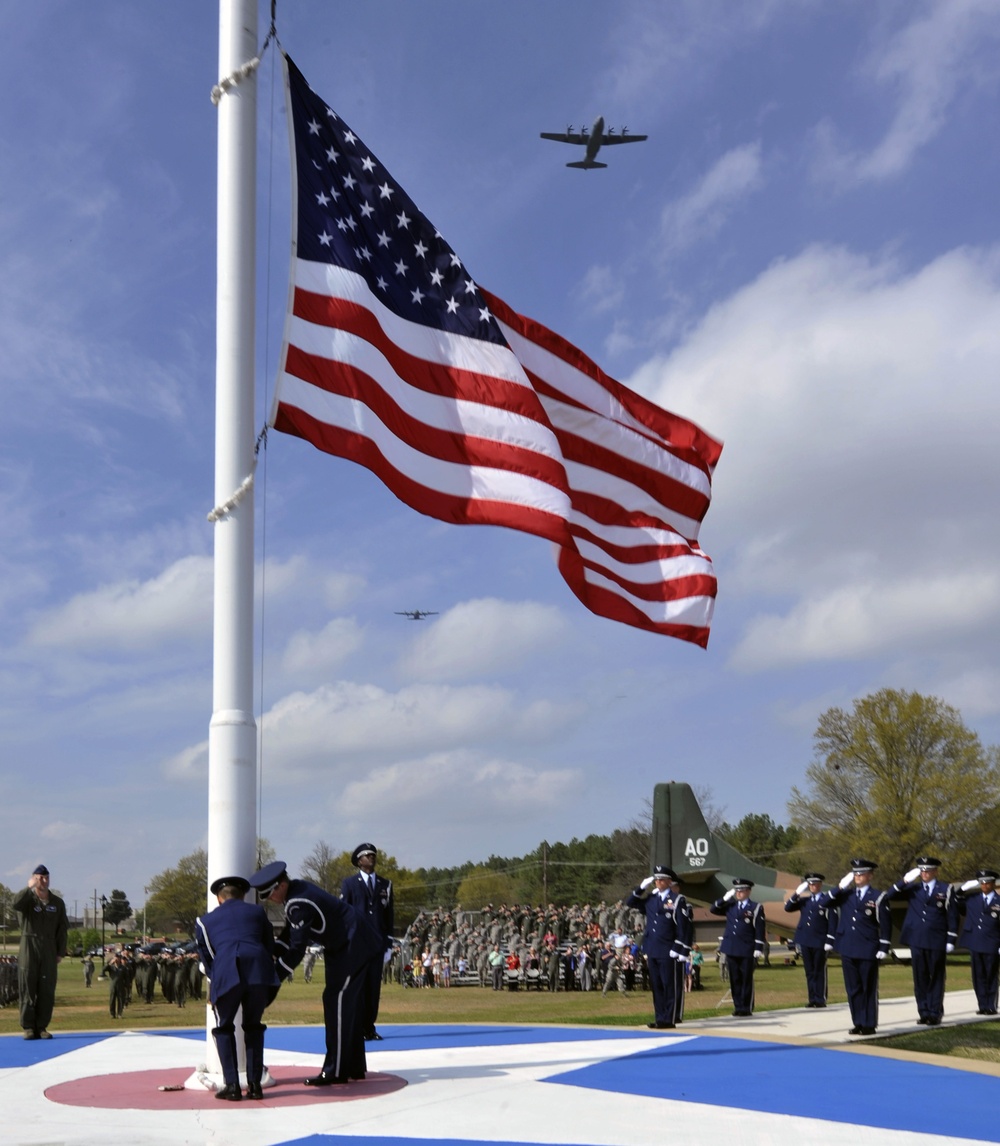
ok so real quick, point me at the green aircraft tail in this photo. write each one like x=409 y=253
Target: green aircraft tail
x=705 y=864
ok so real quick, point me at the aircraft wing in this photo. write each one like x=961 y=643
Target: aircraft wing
x=607 y=140
x=566 y=137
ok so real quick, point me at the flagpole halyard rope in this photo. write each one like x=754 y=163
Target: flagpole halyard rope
x=244 y=71
x=233 y=79
x=231 y=503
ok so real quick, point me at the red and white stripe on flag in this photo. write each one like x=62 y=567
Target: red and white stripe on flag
x=468 y=411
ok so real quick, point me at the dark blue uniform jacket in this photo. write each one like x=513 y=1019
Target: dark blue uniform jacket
x=981 y=931
x=312 y=915
x=931 y=920
x=817 y=920
x=236 y=945
x=865 y=924
x=377 y=906
x=668 y=923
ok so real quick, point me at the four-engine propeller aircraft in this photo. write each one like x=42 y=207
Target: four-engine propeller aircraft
x=416 y=614
x=593 y=140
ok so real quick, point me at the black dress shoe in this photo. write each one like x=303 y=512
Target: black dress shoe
x=325 y=1079
x=934 y=1022
x=867 y=1030
x=854 y=1031
x=230 y=1093
x=373 y=1036
x=922 y=1022
x=254 y=1090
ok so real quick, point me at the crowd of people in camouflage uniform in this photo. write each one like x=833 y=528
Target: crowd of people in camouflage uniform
x=8 y=980
x=559 y=948
x=178 y=974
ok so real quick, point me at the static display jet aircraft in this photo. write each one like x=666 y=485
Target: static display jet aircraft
x=416 y=614
x=593 y=140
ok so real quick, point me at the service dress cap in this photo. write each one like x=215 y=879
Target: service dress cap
x=928 y=863
x=987 y=875
x=266 y=880
x=814 y=877
x=739 y=882
x=661 y=871
x=362 y=850
x=41 y=870
x=236 y=882
x=860 y=864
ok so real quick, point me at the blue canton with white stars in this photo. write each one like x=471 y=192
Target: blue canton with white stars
x=353 y=214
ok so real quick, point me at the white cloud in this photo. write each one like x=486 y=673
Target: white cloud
x=454 y=788
x=702 y=212
x=173 y=606
x=862 y=620
x=72 y=834
x=923 y=67
x=602 y=289
x=482 y=637
x=310 y=653
x=857 y=403
x=346 y=723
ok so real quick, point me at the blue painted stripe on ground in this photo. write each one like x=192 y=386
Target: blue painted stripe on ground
x=429 y=1037
x=15 y=1051
x=810 y=1082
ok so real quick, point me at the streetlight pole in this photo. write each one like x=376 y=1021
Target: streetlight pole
x=104 y=916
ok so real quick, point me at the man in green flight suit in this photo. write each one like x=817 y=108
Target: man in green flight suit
x=43 y=946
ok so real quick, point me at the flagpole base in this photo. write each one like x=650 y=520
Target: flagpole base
x=204 y=1079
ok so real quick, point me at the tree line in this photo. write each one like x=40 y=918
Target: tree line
x=897 y=776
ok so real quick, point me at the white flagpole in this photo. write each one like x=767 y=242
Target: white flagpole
x=232 y=736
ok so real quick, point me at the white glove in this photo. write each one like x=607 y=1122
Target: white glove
x=949 y=948
x=386 y=957
x=880 y=955
x=758 y=954
x=912 y=875
x=646 y=882
x=846 y=882
x=970 y=885
x=827 y=946
x=730 y=894
x=802 y=888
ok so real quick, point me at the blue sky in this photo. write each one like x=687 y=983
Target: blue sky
x=803 y=258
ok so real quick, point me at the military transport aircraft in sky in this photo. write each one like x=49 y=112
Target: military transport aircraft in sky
x=416 y=614
x=593 y=140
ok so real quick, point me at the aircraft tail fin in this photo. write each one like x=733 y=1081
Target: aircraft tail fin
x=584 y=164
x=704 y=863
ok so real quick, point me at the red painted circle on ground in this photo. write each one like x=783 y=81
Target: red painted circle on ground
x=140 y=1090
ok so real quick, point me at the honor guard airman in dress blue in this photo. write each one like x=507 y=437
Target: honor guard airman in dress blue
x=862 y=941
x=349 y=944
x=372 y=894
x=236 y=945
x=742 y=943
x=930 y=930
x=666 y=943
x=814 y=933
x=980 y=936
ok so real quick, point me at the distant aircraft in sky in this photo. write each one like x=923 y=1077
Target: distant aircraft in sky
x=416 y=614
x=593 y=140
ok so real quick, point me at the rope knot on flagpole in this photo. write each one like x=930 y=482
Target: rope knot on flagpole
x=231 y=503
x=234 y=78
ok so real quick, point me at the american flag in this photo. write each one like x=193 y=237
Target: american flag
x=395 y=357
